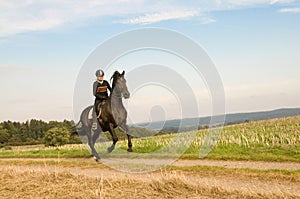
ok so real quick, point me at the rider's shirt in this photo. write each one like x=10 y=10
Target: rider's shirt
x=100 y=89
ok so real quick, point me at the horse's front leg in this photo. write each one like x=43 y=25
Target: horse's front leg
x=114 y=138
x=91 y=144
x=125 y=128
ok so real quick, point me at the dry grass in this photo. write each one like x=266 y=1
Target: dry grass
x=43 y=184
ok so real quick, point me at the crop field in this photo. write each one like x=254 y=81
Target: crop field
x=258 y=159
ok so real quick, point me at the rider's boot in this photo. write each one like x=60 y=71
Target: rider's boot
x=95 y=122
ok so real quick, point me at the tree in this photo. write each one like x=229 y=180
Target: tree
x=37 y=128
x=56 y=136
x=4 y=136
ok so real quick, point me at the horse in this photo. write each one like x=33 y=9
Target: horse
x=113 y=115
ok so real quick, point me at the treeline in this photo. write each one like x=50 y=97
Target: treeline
x=33 y=132
x=52 y=133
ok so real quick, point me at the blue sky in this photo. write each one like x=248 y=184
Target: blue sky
x=254 y=44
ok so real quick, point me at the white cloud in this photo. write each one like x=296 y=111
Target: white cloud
x=157 y=17
x=207 y=20
x=280 y=1
x=290 y=10
x=35 y=15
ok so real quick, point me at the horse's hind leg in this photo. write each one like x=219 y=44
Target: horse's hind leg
x=129 y=143
x=114 y=138
x=96 y=135
x=125 y=128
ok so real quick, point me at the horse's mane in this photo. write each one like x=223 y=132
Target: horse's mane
x=114 y=77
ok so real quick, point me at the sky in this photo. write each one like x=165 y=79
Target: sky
x=254 y=45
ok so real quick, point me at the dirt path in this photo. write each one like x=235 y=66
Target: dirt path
x=259 y=165
x=243 y=183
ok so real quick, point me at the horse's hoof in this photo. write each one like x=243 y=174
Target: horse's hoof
x=109 y=149
x=96 y=158
x=129 y=150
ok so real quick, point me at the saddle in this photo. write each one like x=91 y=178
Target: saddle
x=92 y=113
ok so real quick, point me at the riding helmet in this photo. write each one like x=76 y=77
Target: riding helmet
x=99 y=73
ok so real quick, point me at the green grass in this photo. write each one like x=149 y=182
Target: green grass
x=269 y=140
x=47 y=153
x=213 y=170
x=258 y=153
x=271 y=174
x=56 y=162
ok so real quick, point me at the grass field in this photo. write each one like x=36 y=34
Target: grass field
x=269 y=140
x=80 y=177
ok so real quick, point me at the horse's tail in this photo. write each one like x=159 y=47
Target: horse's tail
x=84 y=123
x=79 y=130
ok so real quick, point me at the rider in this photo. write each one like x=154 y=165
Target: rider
x=100 y=92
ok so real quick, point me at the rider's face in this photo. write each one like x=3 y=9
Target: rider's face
x=100 y=78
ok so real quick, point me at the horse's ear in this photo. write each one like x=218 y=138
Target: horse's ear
x=116 y=73
x=123 y=73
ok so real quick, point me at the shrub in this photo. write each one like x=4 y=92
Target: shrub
x=8 y=148
x=56 y=136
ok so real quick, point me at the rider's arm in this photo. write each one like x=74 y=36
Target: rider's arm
x=96 y=94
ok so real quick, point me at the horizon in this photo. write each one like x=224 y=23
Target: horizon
x=253 y=45
x=204 y=116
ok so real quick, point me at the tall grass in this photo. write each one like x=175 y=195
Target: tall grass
x=276 y=139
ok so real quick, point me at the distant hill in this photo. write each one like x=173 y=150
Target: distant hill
x=229 y=119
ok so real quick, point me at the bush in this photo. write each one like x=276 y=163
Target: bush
x=75 y=139
x=8 y=148
x=56 y=136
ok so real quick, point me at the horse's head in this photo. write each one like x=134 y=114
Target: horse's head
x=119 y=84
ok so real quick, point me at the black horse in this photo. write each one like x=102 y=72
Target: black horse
x=113 y=115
